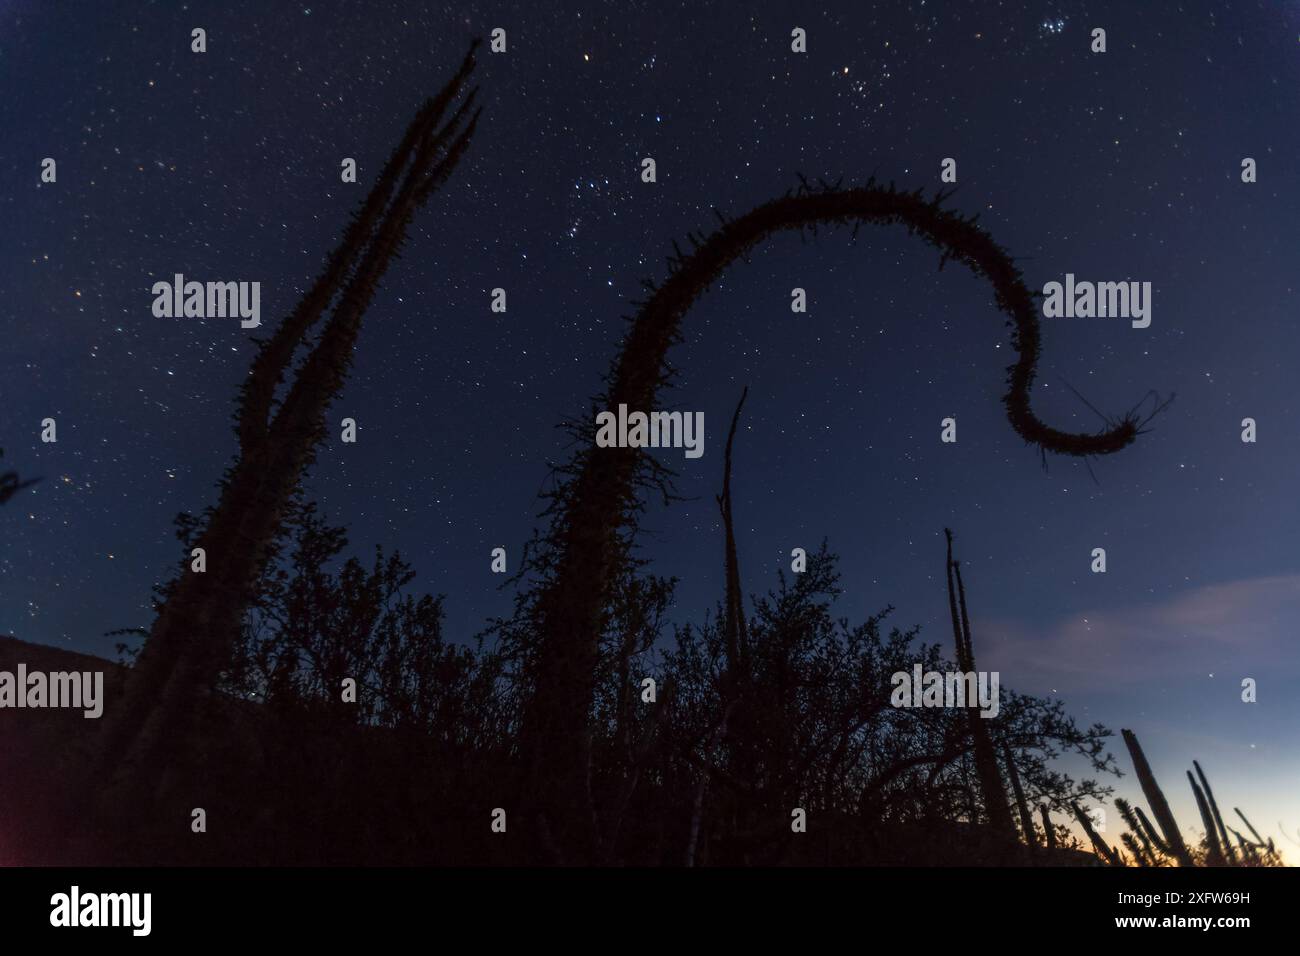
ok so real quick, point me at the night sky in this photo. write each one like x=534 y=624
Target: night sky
x=1114 y=166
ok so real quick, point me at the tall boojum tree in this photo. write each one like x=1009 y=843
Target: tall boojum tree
x=198 y=622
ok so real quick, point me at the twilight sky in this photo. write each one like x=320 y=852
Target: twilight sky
x=1115 y=166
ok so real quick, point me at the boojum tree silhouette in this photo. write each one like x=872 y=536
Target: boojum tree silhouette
x=199 y=619
x=594 y=504
x=986 y=768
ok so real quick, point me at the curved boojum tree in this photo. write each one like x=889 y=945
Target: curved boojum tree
x=592 y=513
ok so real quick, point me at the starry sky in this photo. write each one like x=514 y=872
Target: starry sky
x=1122 y=165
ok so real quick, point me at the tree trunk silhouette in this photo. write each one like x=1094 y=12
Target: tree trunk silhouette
x=1156 y=799
x=734 y=626
x=1213 y=851
x=198 y=622
x=1141 y=855
x=1147 y=851
x=1022 y=805
x=1250 y=826
x=601 y=491
x=1218 y=819
x=1049 y=833
x=736 y=638
x=1098 y=844
x=1150 y=832
x=986 y=764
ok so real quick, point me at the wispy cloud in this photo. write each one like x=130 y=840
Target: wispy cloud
x=1250 y=624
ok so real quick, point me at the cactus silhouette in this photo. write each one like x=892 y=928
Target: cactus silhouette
x=1022 y=805
x=1049 y=830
